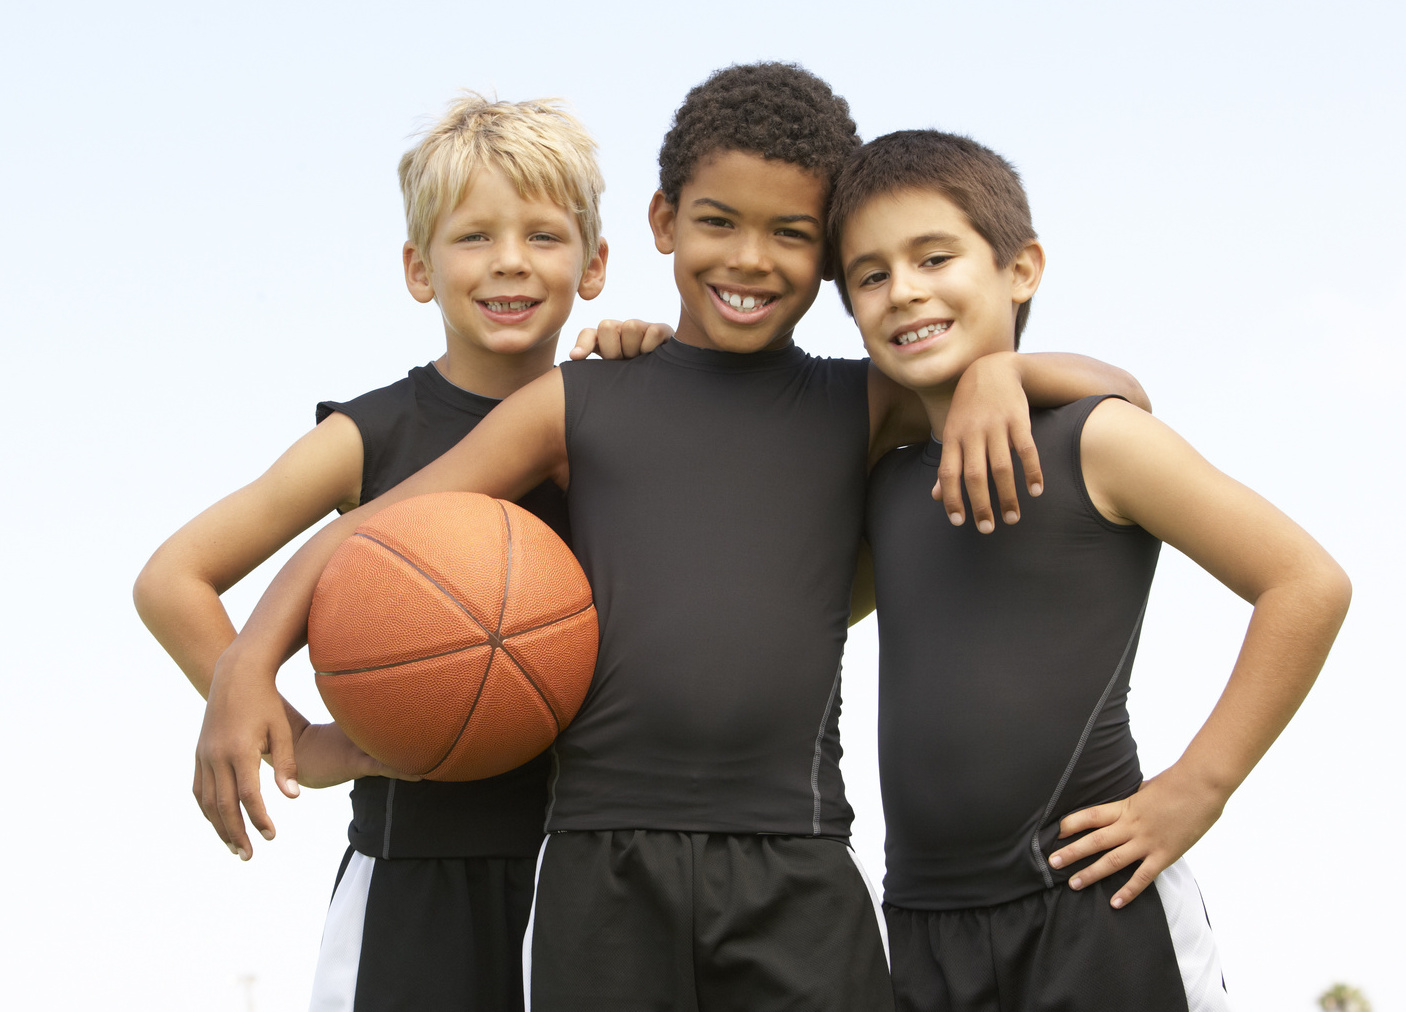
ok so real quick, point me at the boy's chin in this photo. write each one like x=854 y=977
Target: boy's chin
x=919 y=377
x=741 y=341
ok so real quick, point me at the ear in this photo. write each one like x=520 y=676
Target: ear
x=417 y=274
x=663 y=216
x=1026 y=270
x=593 y=277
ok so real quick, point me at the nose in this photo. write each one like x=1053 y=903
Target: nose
x=510 y=258
x=749 y=253
x=904 y=288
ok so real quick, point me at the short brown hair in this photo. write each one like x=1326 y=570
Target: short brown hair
x=983 y=185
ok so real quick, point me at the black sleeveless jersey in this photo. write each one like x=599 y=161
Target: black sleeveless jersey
x=405 y=426
x=716 y=501
x=1003 y=673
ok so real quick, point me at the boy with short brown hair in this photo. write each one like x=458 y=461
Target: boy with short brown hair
x=1014 y=735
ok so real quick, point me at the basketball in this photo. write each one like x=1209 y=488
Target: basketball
x=453 y=636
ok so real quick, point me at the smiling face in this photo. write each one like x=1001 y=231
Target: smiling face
x=927 y=293
x=746 y=237
x=504 y=270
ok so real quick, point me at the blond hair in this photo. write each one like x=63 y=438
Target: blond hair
x=541 y=147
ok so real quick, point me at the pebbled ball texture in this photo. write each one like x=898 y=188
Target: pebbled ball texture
x=453 y=636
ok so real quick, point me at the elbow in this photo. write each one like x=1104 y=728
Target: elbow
x=147 y=591
x=1340 y=591
x=1135 y=394
x=1330 y=590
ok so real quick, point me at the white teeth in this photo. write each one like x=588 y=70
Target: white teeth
x=506 y=307
x=917 y=335
x=746 y=303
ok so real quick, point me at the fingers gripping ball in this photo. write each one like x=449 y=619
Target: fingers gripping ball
x=453 y=636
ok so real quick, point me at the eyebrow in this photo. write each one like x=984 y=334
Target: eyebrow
x=928 y=239
x=784 y=218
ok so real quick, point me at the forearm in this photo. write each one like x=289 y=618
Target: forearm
x=277 y=627
x=187 y=619
x=1290 y=633
x=1054 y=378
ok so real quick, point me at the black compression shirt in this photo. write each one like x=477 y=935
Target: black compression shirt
x=1003 y=673
x=403 y=427
x=716 y=502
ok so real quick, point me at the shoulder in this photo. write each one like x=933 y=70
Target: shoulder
x=1112 y=427
x=1129 y=458
x=391 y=397
x=916 y=462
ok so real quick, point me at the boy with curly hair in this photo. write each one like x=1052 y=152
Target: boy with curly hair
x=697 y=852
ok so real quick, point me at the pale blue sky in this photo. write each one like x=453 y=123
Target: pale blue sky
x=201 y=240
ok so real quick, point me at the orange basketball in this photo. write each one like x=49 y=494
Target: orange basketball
x=453 y=636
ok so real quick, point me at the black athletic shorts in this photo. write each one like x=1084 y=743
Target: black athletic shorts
x=1058 y=949
x=425 y=935
x=628 y=920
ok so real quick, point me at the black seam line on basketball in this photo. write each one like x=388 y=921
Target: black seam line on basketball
x=535 y=688
x=495 y=638
x=502 y=612
x=483 y=680
x=502 y=642
x=556 y=717
x=411 y=660
x=491 y=634
x=507 y=570
x=551 y=621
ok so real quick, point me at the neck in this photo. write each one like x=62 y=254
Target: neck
x=937 y=401
x=491 y=374
x=688 y=332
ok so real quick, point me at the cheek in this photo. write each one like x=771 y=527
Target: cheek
x=683 y=275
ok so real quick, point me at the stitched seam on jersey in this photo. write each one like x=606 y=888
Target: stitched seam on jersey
x=386 y=837
x=552 y=788
x=1079 y=749
x=819 y=746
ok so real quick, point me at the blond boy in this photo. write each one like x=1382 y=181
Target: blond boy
x=502 y=207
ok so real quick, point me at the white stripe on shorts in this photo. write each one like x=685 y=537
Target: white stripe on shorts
x=527 y=937
x=878 y=907
x=1197 y=957
x=334 y=982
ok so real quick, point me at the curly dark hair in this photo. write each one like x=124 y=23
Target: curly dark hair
x=776 y=110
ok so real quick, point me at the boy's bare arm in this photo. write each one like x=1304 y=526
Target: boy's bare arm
x=520 y=443
x=1139 y=471
x=178 y=592
x=989 y=416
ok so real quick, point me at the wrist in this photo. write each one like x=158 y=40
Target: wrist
x=296 y=721
x=1209 y=783
x=1010 y=361
x=244 y=664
